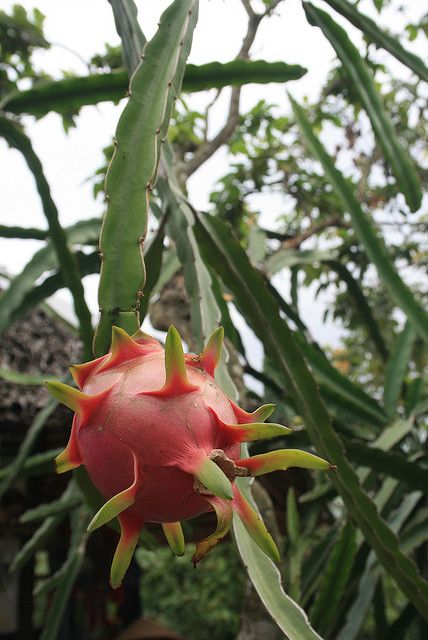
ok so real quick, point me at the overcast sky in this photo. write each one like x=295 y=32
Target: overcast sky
x=84 y=26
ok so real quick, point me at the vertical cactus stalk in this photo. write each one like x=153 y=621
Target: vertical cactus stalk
x=132 y=172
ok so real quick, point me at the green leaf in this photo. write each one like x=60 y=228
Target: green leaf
x=266 y=578
x=337 y=390
x=24 y=233
x=39 y=537
x=43 y=260
x=362 y=306
x=335 y=578
x=292 y=516
x=38 y=464
x=27 y=445
x=380 y=37
x=71 y=94
x=393 y=464
x=314 y=563
x=291 y=257
x=357 y=614
x=332 y=382
x=17 y=139
x=16 y=377
x=416 y=531
x=396 y=368
x=261 y=311
x=62 y=505
x=373 y=244
x=88 y=263
x=132 y=171
x=401 y=164
x=256 y=244
x=67 y=577
x=43 y=533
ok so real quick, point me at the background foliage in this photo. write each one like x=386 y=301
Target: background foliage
x=352 y=223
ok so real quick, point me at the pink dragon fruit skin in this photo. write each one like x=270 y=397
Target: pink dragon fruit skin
x=161 y=442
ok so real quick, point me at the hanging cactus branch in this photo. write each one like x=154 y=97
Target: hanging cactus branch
x=131 y=175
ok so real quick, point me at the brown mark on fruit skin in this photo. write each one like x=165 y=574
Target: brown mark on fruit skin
x=228 y=466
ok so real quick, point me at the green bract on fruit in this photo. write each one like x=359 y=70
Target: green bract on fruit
x=161 y=441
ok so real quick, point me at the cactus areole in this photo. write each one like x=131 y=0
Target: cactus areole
x=161 y=441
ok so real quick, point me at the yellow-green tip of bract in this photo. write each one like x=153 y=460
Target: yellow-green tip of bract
x=82 y=404
x=123 y=554
x=118 y=503
x=175 y=537
x=72 y=398
x=212 y=477
x=255 y=526
x=249 y=432
x=224 y=513
x=177 y=382
x=283 y=459
x=69 y=458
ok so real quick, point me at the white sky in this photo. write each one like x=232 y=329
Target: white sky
x=69 y=160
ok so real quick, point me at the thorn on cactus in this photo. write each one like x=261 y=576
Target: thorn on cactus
x=161 y=441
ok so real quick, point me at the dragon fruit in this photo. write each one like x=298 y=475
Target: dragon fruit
x=161 y=442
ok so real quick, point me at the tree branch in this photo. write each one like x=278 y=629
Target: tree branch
x=207 y=149
x=294 y=242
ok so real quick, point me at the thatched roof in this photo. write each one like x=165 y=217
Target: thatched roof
x=38 y=343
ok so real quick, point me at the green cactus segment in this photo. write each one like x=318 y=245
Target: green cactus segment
x=259 y=415
x=132 y=171
x=74 y=93
x=254 y=525
x=130 y=532
x=224 y=513
x=283 y=459
x=210 y=356
x=118 y=503
x=212 y=478
x=175 y=537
